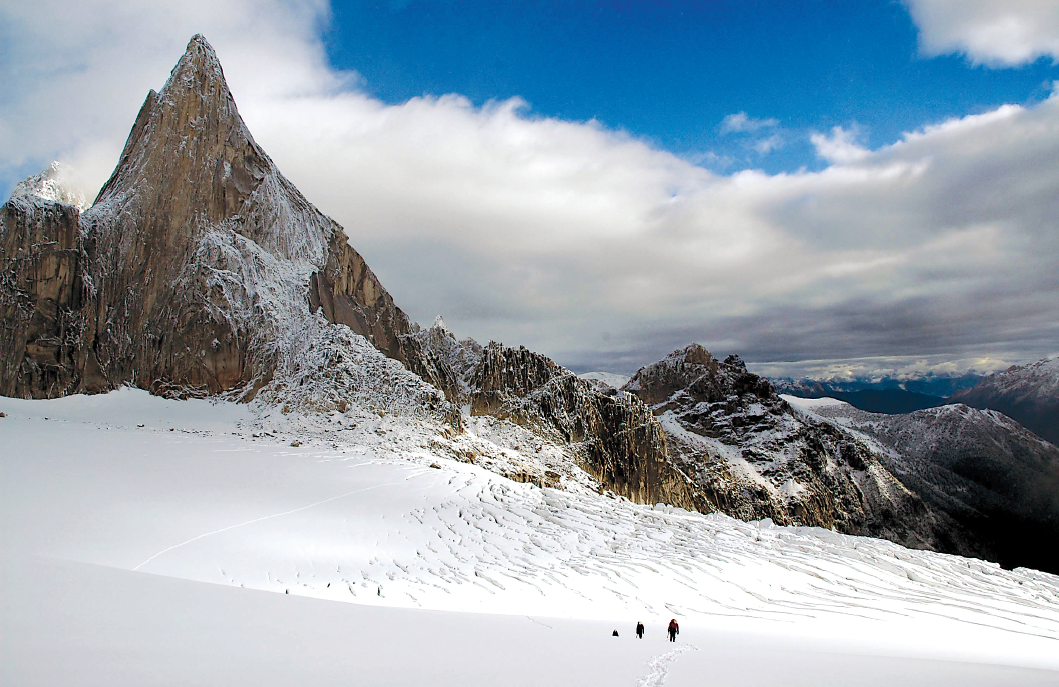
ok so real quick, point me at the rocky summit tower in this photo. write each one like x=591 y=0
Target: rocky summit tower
x=188 y=273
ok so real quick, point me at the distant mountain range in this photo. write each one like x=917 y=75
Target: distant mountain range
x=938 y=386
x=889 y=401
x=1026 y=393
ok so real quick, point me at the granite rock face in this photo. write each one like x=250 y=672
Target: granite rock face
x=750 y=455
x=450 y=363
x=610 y=434
x=43 y=294
x=189 y=272
x=615 y=436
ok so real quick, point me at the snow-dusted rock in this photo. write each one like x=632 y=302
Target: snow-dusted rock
x=750 y=455
x=43 y=293
x=1027 y=393
x=52 y=184
x=993 y=483
x=611 y=379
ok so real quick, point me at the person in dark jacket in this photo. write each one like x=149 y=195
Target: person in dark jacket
x=639 y=630
x=674 y=630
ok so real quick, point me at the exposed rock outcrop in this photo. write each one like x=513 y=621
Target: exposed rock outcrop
x=751 y=456
x=191 y=270
x=614 y=435
x=43 y=294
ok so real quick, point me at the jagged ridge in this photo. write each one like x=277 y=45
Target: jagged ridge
x=751 y=456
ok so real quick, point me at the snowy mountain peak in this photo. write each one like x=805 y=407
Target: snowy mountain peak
x=439 y=324
x=189 y=139
x=52 y=184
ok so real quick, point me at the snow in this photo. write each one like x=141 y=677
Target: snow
x=91 y=625
x=384 y=569
x=811 y=404
x=732 y=455
x=1039 y=380
x=611 y=379
x=53 y=184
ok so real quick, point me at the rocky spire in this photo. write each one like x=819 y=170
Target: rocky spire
x=190 y=140
x=200 y=262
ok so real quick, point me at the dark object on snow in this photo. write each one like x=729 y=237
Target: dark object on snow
x=639 y=630
x=674 y=630
x=614 y=634
x=3 y=414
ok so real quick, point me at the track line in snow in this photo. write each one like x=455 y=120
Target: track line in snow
x=534 y=620
x=266 y=517
x=658 y=667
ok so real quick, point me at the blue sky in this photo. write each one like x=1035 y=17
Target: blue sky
x=670 y=72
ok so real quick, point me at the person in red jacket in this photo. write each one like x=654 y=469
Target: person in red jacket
x=674 y=630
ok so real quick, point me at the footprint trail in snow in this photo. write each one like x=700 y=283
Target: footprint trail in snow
x=658 y=667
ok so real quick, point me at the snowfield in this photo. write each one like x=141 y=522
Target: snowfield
x=116 y=508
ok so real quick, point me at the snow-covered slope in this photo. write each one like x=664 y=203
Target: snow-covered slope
x=75 y=624
x=368 y=512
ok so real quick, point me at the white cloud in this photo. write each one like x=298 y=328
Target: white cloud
x=898 y=367
x=740 y=122
x=998 y=33
x=580 y=241
x=840 y=147
x=767 y=145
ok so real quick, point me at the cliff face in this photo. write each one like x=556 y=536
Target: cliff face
x=614 y=435
x=43 y=294
x=191 y=270
x=751 y=456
